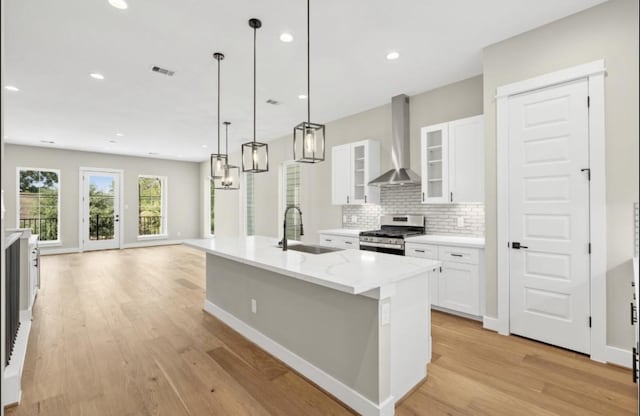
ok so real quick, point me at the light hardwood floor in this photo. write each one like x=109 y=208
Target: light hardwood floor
x=123 y=333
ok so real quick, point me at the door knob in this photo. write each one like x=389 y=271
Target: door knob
x=517 y=246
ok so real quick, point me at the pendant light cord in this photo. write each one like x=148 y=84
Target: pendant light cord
x=218 y=107
x=254 y=84
x=308 y=65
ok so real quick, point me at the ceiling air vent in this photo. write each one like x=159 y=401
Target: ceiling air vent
x=273 y=102
x=163 y=71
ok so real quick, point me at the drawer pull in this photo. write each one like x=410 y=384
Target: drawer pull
x=634 y=317
x=348 y=242
x=634 y=364
x=418 y=251
x=457 y=255
x=327 y=240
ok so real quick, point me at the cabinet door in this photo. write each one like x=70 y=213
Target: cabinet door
x=466 y=160
x=435 y=164
x=340 y=174
x=459 y=287
x=433 y=287
x=358 y=172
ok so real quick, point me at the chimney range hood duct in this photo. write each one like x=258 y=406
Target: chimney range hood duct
x=400 y=174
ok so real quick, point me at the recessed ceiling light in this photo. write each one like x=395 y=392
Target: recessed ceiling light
x=392 y=56
x=119 y=4
x=286 y=37
x=11 y=88
x=119 y=134
x=96 y=75
x=204 y=146
x=302 y=96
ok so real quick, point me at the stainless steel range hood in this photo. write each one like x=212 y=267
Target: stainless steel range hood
x=400 y=174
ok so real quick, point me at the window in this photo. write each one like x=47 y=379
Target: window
x=212 y=199
x=39 y=202
x=152 y=216
x=291 y=197
x=249 y=205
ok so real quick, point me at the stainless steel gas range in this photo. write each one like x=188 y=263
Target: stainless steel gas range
x=393 y=230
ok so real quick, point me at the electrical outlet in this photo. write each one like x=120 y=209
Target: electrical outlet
x=254 y=306
x=344 y=219
x=385 y=314
x=354 y=219
x=179 y=233
x=126 y=206
x=460 y=222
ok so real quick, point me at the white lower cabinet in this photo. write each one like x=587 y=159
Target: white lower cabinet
x=338 y=241
x=457 y=286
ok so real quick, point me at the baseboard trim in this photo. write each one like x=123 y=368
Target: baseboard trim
x=492 y=324
x=456 y=313
x=53 y=251
x=342 y=392
x=11 y=383
x=618 y=356
x=151 y=243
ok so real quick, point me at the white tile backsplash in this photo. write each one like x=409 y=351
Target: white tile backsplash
x=406 y=199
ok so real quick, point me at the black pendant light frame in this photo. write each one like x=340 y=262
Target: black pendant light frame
x=218 y=160
x=310 y=137
x=230 y=180
x=255 y=155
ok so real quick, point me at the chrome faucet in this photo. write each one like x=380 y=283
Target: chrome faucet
x=284 y=234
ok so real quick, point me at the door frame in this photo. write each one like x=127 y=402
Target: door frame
x=595 y=73
x=81 y=171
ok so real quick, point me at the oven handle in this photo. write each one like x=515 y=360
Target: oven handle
x=381 y=245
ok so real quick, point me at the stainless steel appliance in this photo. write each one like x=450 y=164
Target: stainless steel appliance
x=393 y=230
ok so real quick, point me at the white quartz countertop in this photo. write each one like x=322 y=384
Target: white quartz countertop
x=344 y=232
x=450 y=240
x=350 y=271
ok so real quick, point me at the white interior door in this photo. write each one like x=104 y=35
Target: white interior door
x=100 y=222
x=549 y=215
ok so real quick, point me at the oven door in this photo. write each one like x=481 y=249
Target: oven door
x=382 y=248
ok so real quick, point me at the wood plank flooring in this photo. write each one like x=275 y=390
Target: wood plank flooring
x=123 y=333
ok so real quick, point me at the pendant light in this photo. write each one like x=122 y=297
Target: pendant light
x=255 y=155
x=308 y=137
x=218 y=160
x=230 y=179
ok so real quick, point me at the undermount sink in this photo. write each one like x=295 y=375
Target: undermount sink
x=312 y=249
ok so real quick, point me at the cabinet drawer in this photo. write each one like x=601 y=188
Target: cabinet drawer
x=458 y=254
x=348 y=242
x=421 y=250
x=339 y=241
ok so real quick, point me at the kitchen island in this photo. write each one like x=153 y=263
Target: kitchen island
x=356 y=323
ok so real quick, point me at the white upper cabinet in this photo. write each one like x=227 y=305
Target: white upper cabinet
x=453 y=161
x=435 y=164
x=353 y=165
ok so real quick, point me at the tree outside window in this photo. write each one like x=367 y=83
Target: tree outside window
x=150 y=205
x=39 y=202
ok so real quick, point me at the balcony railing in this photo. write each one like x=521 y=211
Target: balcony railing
x=101 y=227
x=149 y=225
x=46 y=228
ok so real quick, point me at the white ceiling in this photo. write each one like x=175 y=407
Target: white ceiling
x=52 y=46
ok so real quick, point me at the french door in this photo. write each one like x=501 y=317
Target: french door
x=100 y=219
x=549 y=215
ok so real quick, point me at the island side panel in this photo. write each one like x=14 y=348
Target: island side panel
x=334 y=331
x=410 y=334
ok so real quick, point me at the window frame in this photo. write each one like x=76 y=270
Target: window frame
x=42 y=243
x=282 y=192
x=164 y=211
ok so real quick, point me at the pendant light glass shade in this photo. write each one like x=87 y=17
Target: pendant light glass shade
x=308 y=137
x=218 y=160
x=230 y=178
x=255 y=155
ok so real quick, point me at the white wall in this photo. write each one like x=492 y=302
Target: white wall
x=184 y=192
x=608 y=31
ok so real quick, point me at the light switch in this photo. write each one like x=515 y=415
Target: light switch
x=354 y=219
x=460 y=222
x=344 y=219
